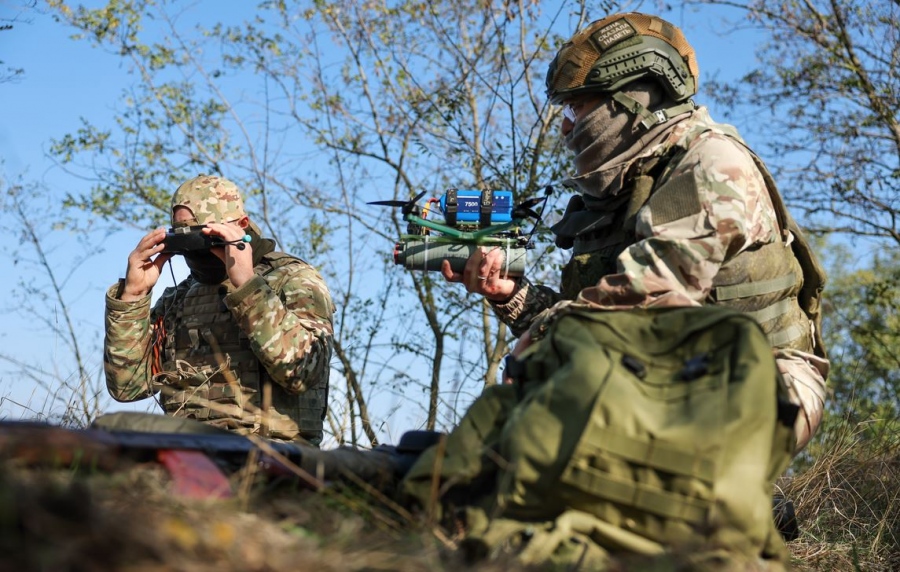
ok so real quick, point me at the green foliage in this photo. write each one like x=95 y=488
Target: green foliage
x=313 y=109
x=862 y=330
x=828 y=87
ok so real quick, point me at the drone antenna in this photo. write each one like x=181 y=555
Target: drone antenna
x=539 y=217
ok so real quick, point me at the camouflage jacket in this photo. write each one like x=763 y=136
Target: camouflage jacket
x=284 y=315
x=674 y=262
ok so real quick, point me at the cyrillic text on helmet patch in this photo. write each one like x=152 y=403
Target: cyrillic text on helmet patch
x=612 y=34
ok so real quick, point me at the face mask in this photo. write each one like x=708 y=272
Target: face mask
x=597 y=141
x=206 y=267
x=607 y=139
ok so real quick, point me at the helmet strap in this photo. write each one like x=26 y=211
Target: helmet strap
x=651 y=118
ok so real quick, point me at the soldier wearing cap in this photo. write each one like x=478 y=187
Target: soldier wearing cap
x=671 y=208
x=244 y=343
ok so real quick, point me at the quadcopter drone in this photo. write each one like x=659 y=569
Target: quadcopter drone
x=471 y=219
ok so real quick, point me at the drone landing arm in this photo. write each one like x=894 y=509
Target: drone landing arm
x=466 y=236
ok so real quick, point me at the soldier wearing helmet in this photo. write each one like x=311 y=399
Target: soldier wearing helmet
x=671 y=208
x=244 y=343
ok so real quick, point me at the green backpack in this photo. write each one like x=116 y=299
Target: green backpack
x=638 y=432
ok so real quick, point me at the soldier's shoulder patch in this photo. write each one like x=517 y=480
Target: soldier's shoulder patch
x=675 y=199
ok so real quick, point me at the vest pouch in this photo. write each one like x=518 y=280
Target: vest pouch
x=585 y=269
x=279 y=426
x=638 y=466
x=221 y=391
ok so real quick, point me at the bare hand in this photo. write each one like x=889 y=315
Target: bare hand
x=143 y=270
x=483 y=274
x=238 y=262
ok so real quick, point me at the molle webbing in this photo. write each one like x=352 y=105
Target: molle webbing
x=777 y=284
x=810 y=295
x=771 y=311
x=760 y=288
x=214 y=376
x=652 y=455
x=764 y=284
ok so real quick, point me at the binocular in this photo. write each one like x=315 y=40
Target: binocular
x=191 y=238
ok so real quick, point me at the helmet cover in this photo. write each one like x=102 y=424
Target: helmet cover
x=622 y=48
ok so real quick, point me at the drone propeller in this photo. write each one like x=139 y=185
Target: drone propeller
x=525 y=209
x=407 y=207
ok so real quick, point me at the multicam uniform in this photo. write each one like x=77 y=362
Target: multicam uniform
x=693 y=223
x=253 y=359
x=211 y=351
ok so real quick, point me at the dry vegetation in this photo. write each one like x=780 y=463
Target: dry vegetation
x=848 y=504
x=127 y=520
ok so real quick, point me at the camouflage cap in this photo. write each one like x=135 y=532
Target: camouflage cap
x=210 y=198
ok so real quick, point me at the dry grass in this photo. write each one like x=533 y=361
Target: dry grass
x=57 y=520
x=848 y=504
x=66 y=520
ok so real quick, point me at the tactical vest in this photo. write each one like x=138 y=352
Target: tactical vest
x=212 y=374
x=778 y=286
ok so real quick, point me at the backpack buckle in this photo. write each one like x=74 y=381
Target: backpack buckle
x=635 y=366
x=694 y=367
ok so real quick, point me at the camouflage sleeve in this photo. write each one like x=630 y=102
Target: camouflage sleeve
x=126 y=347
x=526 y=303
x=290 y=327
x=712 y=206
x=804 y=376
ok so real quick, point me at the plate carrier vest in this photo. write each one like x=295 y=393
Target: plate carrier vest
x=779 y=287
x=216 y=376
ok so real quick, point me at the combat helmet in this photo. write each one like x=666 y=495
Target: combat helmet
x=617 y=50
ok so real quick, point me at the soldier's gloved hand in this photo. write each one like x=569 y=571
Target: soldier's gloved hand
x=483 y=274
x=143 y=270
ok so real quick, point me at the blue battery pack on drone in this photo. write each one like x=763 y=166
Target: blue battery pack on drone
x=470 y=206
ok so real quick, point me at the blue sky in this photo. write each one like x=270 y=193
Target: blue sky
x=66 y=80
